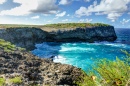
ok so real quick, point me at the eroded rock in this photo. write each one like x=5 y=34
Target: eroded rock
x=34 y=70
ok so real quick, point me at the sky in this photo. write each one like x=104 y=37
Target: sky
x=41 y=12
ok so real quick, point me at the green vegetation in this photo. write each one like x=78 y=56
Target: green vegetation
x=75 y=25
x=8 y=47
x=53 y=27
x=16 y=25
x=2 y=81
x=109 y=73
x=16 y=80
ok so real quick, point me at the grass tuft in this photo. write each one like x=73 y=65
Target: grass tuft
x=16 y=80
x=2 y=81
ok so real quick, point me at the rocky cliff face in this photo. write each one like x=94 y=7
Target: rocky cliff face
x=91 y=34
x=23 y=37
x=28 y=37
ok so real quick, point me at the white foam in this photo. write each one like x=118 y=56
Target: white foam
x=63 y=49
x=117 y=45
x=59 y=59
x=112 y=44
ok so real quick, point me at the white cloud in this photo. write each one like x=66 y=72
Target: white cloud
x=32 y=6
x=82 y=11
x=124 y=21
x=35 y=17
x=65 y=20
x=85 y=20
x=112 y=8
x=89 y=20
x=49 y=21
x=61 y=14
x=81 y=20
x=65 y=2
x=2 y=1
x=46 y=14
x=113 y=16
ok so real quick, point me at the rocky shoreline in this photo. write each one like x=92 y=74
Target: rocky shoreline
x=33 y=70
x=36 y=71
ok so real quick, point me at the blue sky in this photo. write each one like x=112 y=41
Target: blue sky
x=40 y=12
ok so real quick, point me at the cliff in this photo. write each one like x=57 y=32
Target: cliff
x=89 y=34
x=31 y=70
x=28 y=37
x=23 y=37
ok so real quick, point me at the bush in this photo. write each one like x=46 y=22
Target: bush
x=109 y=73
x=8 y=47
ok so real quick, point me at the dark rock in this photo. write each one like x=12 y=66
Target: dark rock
x=28 y=37
x=23 y=37
x=38 y=71
x=103 y=33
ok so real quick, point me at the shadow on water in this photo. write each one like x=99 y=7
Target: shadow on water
x=47 y=49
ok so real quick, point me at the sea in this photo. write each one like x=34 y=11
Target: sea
x=84 y=55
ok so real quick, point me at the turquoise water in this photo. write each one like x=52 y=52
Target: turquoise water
x=83 y=55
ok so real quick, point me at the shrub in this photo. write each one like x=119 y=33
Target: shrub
x=109 y=73
x=8 y=47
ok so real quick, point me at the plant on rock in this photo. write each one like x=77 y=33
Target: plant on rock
x=2 y=81
x=16 y=80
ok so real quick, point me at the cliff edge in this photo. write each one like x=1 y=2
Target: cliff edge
x=89 y=34
x=27 y=37
x=23 y=36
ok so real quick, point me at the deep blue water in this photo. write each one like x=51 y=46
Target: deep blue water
x=83 y=55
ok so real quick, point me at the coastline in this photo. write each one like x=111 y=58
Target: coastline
x=32 y=69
